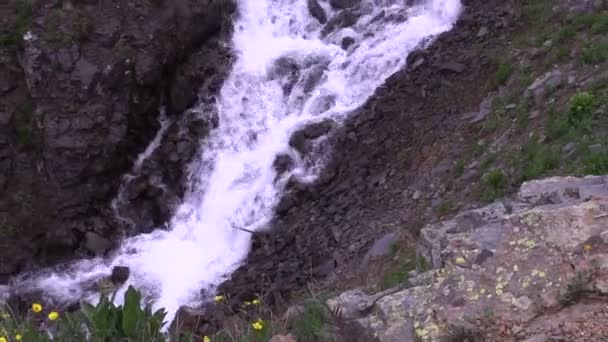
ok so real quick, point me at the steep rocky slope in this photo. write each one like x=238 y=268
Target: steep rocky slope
x=515 y=92
x=81 y=85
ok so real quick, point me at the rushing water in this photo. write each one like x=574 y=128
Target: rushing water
x=260 y=105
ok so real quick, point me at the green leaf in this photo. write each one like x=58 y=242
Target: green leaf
x=131 y=312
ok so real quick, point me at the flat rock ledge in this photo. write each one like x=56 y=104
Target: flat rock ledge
x=511 y=270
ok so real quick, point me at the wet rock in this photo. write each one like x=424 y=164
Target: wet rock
x=120 y=274
x=96 y=244
x=282 y=163
x=344 y=4
x=317 y=11
x=347 y=42
x=346 y=18
x=301 y=138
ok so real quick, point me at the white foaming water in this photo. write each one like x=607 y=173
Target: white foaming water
x=234 y=184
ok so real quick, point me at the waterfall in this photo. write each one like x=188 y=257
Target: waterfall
x=290 y=71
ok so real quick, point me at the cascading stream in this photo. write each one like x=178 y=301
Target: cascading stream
x=289 y=72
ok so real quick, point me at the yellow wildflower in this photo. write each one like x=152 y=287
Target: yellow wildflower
x=18 y=337
x=257 y=325
x=36 y=307
x=206 y=339
x=53 y=315
x=587 y=247
x=256 y=302
x=3 y=339
x=460 y=260
x=246 y=303
x=218 y=298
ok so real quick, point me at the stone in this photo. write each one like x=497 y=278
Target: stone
x=416 y=195
x=537 y=338
x=544 y=84
x=453 y=67
x=317 y=11
x=347 y=42
x=483 y=31
x=282 y=338
x=485 y=108
x=96 y=244
x=344 y=4
x=120 y=274
x=569 y=147
x=283 y=163
x=382 y=247
x=596 y=148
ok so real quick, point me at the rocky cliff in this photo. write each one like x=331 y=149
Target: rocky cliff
x=81 y=87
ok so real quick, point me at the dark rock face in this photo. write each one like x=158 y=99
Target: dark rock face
x=82 y=101
x=317 y=11
x=343 y=4
x=326 y=227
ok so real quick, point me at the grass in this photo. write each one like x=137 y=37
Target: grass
x=539 y=159
x=493 y=185
x=311 y=323
x=577 y=288
x=444 y=208
x=503 y=72
x=399 y=272
x=595 y=22
x=595 y=53
x=596 y=163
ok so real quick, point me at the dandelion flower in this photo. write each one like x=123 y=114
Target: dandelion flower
x=3 y=339
x=206 y=339
x=53 y=315
x=36 y=307
x=18 y=337
x=257 y=325
x=587 y=247
x=256 y=302
x=218 y=298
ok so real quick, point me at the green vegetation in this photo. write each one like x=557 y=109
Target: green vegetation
x=503 y=72
x=577 y=288
x=493 y=185
x=539 y=159
x=595 y=22
x=13 y=28
x=104 y=322
x=595 y=52
x=310 y=324
x=444 y=208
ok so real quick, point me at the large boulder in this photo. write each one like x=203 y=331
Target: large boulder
x=526 y=262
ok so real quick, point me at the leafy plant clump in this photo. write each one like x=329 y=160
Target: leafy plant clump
x=103 y=322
